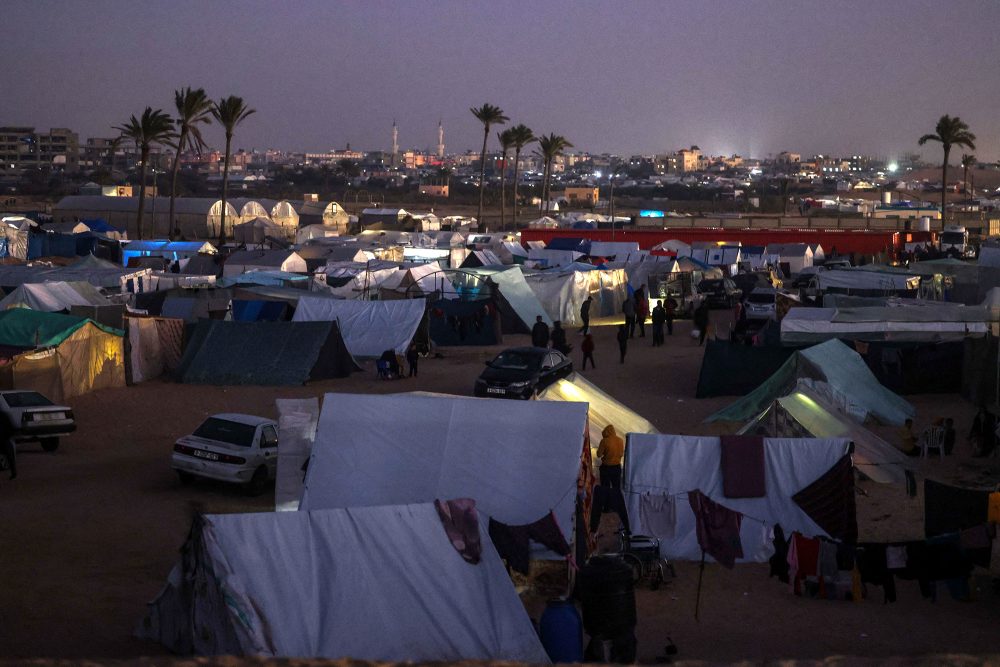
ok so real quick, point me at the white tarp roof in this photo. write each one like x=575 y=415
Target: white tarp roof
x=677 y=464
x=870 y=280
x=517 y=460
x=369 y=328
x=939 y=323
x=382 y=584
x=613 y=248
x=54 y=296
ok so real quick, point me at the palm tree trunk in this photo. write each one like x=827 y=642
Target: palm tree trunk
x=517 y=158
x=173 y=184
x=944 y=184
x=144 y=158
x=482 y=174
x=503 y=193
x=545 y=184
x=225 y=189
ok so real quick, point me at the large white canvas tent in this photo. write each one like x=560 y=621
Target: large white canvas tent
x=677 y=464
x=519 y=305
x=354 y=280
x=923 y=324
x=562 y=293
x=382 y=584
x=54 y=296
x=262 y=260
x=517 y=460
x=369 y=328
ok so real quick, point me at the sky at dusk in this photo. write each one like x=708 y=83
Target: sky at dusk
x=749 y=77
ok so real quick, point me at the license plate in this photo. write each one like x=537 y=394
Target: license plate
x=48 y=416
x=202 y=454
x=495 y=390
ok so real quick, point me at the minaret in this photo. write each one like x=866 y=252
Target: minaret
x=440 y=140
x=395 y=142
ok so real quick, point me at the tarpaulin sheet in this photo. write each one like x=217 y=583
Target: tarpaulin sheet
x=730 y=369
x=514 y=290
x=54 y=296
x=297 y=420
x=518 y=460
x=259 y=311
x=369 y=328
x=382 y=584
x=677 y=464
x=145 y=352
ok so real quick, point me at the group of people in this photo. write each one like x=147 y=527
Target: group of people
x=910 y=444
x=394 y=367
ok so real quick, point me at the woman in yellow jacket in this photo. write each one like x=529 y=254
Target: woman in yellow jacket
x=610 y=451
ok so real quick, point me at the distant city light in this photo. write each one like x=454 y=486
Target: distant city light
x=893 y=167
x=597 y=174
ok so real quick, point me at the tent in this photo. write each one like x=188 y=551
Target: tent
x=518 y=460
x=264 y=353
x=259 y=310
x=842 y=369
x=81 y=356
x=369 y=328
x=936 y=323
x=382 y=584
x=89 y=269
x=732 y=369
x=256 y=231
x=354 y=280
x=867 y=283
x=242 y=261
x=154 y=346
x=518 y=304
x=478 y=258
x=675 y=465
x=562 y=292
x=272 y=278
x=54 y=296
x=807 y=413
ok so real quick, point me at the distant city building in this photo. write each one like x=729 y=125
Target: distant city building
x=787 y=159
x=23 y=148
x=434 y=190
x=581 y=195
x=333 y=157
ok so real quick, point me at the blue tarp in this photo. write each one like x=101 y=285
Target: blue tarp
x=101 y=226
x=569 y=243
x=259 y=311
x=51 y=245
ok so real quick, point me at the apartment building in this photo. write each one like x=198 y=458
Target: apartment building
x=23 y=148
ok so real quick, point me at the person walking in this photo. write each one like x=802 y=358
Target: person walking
x=587 y=347
x=585 y=314
x=540 y=333
x=412 y=357
x=559 y=338
x=8 y=449
x=628 y=309
x=669 y=311
x=610 y=451
x=659 y=317
x=622 y=341
x=641 y=310
x=701 y=322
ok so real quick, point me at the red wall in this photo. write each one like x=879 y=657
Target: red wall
x=845 y=241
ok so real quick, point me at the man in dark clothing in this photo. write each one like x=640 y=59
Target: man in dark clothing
x=628 y=309
x=622 y=341
x=659 y=317
x=7 y=447
x=540 y=333
x=412 y=357
x=701 y=322
x=585 y=314
x=641 y=311
x=669 y=311
x=587 y=347
x=559 y=338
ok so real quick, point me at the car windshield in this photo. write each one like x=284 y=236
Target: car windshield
x=757 y=297
x=227 y=431
x=26 y=399
x=517 y=360
x=953 y=238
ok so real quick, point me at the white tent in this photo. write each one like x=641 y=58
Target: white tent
x=546 y=258
x=941 y=322
x=256 y=231
x=382 y=584
x=309 y=232
x=562 y=293
x=242 y=261
x=518 y=460
x=369 y=328
x=54 y=296
x=613 y=248
x=676 y=464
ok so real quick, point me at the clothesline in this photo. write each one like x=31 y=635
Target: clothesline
x=685 y=494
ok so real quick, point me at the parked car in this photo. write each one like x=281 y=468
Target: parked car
x=760 y=303
x=242 y=449
x=36 y=418
x=721 y=292
x=522 y=371
x=805 y=276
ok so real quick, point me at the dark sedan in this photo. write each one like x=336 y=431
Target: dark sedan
x=721 y=292
x=521 y=371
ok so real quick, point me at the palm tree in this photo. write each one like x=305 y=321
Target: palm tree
x=193 y=108
x=968 y=162
x=230 y=112
x=949 y=132
x=521 y=136
x=488 y=115
x=550 y=146
x=153 y=127
x=506 y=140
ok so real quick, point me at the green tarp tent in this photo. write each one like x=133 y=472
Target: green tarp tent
x=21 y=327
x=731 y=369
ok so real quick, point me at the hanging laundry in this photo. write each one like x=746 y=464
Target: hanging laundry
x=743 y=466
x=871 y=564
x=895 y=557
x=658 y=514
x=718 y=529
x=949 y=509
x=461 y=523
x=803 y=561
x=513 y=543
x=829 y=501
x=993 y=511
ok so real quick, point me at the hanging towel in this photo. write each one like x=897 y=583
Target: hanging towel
x=718 y=529
x=829 y=501
x=803 y=560
x=743 y=466
x=461 y=523
x=513 y=542
x=994 y=508
x=949 y=509
x=658 y=514
x=895 y=557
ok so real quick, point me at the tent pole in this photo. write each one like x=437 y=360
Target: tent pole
x=701 y=573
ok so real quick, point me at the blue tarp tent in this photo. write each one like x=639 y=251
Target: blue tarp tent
x=569 y=243
x=259 y=311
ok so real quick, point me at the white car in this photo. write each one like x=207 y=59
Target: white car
x=242 y=449
x=760 y=303
x=35 y=418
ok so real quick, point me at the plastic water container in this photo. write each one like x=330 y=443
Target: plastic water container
x=605 y=589
x=561 y=631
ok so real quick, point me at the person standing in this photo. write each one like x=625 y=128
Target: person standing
x=611 y=450
x=641 y=311
x=701 y=322
x=622 y=341
x=412 y=357
x=585 y=314
x=628 y=309
x=669 y=311
x=559 y=338
x=540 y=333
x=587 y=346
x=7 y=447
x=659 y=317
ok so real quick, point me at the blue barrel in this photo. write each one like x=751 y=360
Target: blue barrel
x=561 y=631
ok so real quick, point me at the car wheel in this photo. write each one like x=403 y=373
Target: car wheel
x=185 y=477
x=50 y=444
x=258 y=483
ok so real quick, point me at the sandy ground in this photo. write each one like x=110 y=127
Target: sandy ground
x=90 y=532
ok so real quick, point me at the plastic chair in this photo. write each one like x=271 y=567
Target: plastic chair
x=932 y=438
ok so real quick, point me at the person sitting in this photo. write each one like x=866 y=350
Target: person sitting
x=907 y=439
